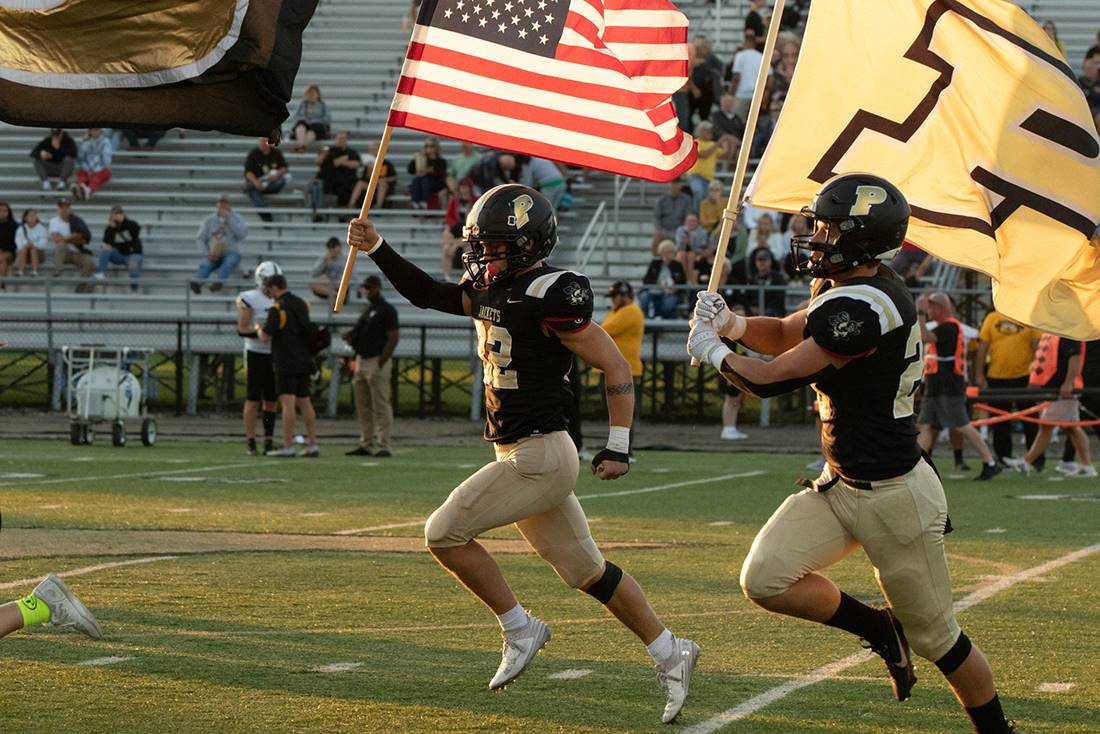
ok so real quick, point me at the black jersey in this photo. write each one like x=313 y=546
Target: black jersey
x=866 y=407
x=526 y=365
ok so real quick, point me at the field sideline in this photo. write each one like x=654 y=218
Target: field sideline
x=281 y=596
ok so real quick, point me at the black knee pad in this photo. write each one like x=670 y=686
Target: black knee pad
x=956 y=656
x=605 y=586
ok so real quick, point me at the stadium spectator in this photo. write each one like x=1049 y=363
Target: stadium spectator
x=454 y=219
x=337 y=173
x=692 y=243
x=1009 y=347
x=705 y=265
x=134 y=136
x=1090 y=378
x=428 y=168
x=31 y=240
x=51 y=602
x=664 y=272
x=290 y=331
x=387 y=181
x=943 y=404
x=705 y=80
x=1090 y=82
x=729 y=129
x=265 y=172
x=327 y=271
x=766 y=234
x=312 y=118
x=252 y=308
x=797 y=226
x=1094 y=51
x=71 y=238
x=703 y=171
x=121 y=246
x=712 y=207
x=219 y=240
x=763 y=271
x=494 y=168
x=543 y=175
x=731 y=404
x=7 y=239
x=461 y=165
x=743 y=71
x=54 y=159
x=1052 y=31
x=754 y=21
x=670 y=211
x=93 y=164
x=625 y=324
x=374 y=338
x=1057 y=368
x=765 y=126
x=783 y=69
x=908 y=257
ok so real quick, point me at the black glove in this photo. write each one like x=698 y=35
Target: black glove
x=609 y=455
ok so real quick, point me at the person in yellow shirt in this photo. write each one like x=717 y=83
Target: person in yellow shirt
x=625 y=324
x=1005 y=350
x=710 y=210
x=706 y=164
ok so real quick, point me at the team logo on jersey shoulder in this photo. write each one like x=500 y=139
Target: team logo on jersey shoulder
x=576 y=294
x=844 y=327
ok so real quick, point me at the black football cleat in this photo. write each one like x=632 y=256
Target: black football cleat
x=988 y=472
x=894 y=650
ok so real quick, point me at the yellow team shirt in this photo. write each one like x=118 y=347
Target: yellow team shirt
x=626 y=327
x=705 y=167
x=710 y=213
x=1010 y=350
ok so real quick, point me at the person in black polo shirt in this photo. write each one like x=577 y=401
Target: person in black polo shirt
x=265 y=172
x=374 y=337
x=289 y=329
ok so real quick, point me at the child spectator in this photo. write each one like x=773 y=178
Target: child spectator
x=7 y=239
x=93 y=167
x=121 y=246
x=313 y=118
x=31 y=239
x=387 y=181
x=702 y=172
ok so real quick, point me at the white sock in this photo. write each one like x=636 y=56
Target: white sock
x=663 y=647
x=513 y=620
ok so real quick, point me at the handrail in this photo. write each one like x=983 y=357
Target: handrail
x=595 y=230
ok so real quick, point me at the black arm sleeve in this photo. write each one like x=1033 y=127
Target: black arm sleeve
x=422 y=290
x=770 y=389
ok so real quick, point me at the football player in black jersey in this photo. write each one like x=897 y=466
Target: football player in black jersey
x=531 y=319
x=858 y=344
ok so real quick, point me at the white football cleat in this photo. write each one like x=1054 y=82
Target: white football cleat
x=65 y=609
x=674 y=677
x=1084 y=470
x=519 y=650
x=1069 y=468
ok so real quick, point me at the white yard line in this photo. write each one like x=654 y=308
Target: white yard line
x=571 y=674
x=675 y=485
x=338 y=667
x=111 y=660
x=770 y=696
x=356 y=531
x=191 y=469
x=87 y=569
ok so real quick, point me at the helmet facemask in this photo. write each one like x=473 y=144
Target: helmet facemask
x=839 y=252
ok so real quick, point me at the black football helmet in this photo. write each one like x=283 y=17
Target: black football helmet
x=517 y=216
x=871 y=215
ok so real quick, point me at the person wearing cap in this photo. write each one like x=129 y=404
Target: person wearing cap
x=625 y=324
x=328 y=270
x=219 y=240
x=374 y=337
x=121 y=246
x=70 y=237
x=54 y=159
x=265 y=172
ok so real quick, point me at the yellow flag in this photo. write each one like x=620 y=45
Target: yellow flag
x=968 y=107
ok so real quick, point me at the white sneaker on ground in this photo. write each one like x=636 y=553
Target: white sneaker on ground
x=65 y=609
x=1084 y=470
x=288 y=452
x=312 y=452
x=1069 y=468
x=1025 y=468
x=674 y=677
x=1012 y=463
x=730 y=433
x=519 y=650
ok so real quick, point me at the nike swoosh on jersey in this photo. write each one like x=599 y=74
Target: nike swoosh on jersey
x=511 y=301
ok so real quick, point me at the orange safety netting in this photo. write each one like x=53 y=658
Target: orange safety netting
x=1025 y=415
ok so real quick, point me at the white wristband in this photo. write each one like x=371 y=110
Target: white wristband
x=618 y=439
x=374 y=247
x=737 y=328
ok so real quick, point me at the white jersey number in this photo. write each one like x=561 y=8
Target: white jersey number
x=494 y=346
x=910 y=378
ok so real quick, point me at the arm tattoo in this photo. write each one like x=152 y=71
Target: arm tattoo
x=624 y=388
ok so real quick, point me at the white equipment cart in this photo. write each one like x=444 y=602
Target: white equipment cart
x=101 y=387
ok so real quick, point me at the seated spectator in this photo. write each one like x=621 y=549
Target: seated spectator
x=543 y=175
x=704 y=266
x=71 y=237
x=705 y=78
x=665 y=273
x=31 y=239
x=1052 y=31
x=669 y=212
x=313 y=118
x=911 y=262
x=764 y=271
x=766 y=234
x=265 y=172
x=387 y=181
x=54 y=159
x=742 y=73
x=766 y=126
x=429 y=171
x=798 y=226
x=729 y=129
x=493 y=169
x=710 y=210
x=8 y=226
x=134 y=136
x=337 y=174
x=1090 y=82
x=692 y=242
x=93 y=164
x=451 y=239
x=121 y=246
x=783 y=69
x=702 y=172
x=327 y=271
x=461 y=165
x=1094 y=51
x=219 y=240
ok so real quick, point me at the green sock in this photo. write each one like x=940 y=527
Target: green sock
x=34 y=610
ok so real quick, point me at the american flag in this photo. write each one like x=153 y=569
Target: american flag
x=586 y=82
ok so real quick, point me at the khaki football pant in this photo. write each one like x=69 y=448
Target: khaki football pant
x=531 y=485
x=899 y=523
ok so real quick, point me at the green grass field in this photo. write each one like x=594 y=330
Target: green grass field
x=242 y=587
